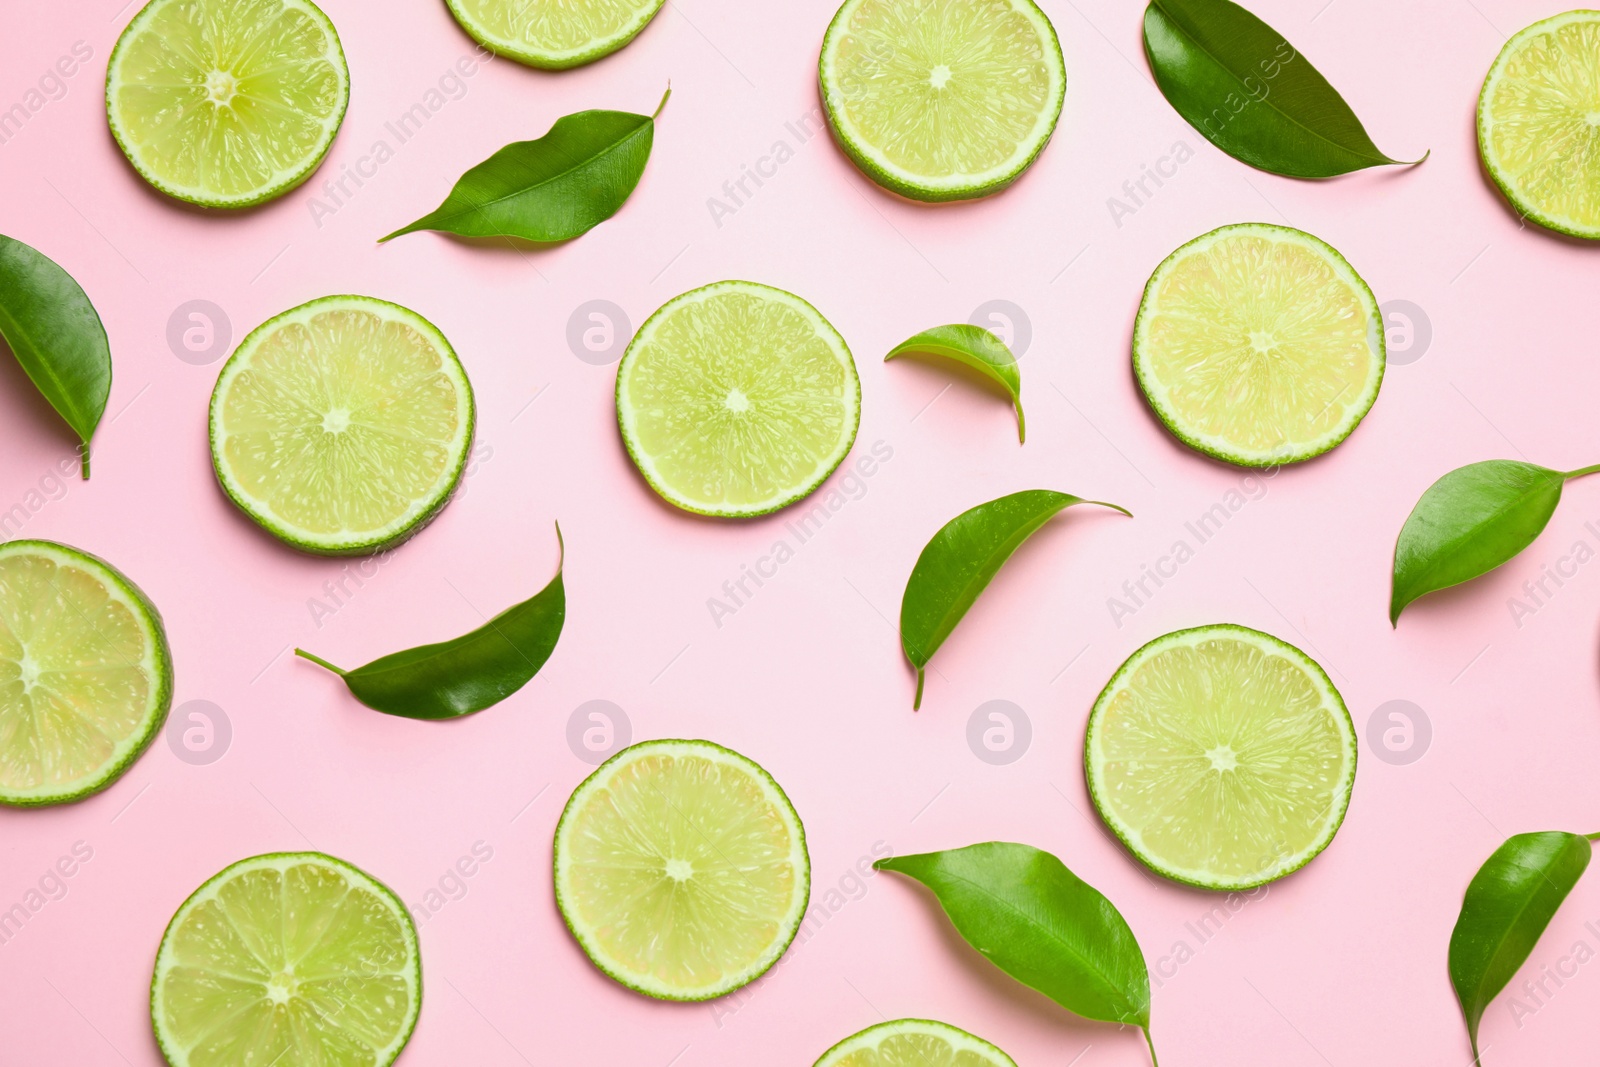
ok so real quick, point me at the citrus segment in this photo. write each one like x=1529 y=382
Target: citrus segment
x=554 y=34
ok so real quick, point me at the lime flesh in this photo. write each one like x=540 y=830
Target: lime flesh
x=85 y=676
x=1539 y=122
x=1259 y=345
x=342 y=425
x=1221 y=756
x=681 y=869
x=293 y=959
x=942 y=99
x=554 y=34
x=227 y=103
x=737 y=399
x=914 y=1043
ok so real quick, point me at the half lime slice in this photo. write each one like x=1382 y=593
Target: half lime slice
x=1537 y=119
x=681 y=869
x=942 y=99
x=292 y=959
x=737 y=399
x=1221 y=756
x=554 y=34
x=342 y=425
x=914 y=1043
x=1258 y=345
x=85 y=675
x=227 y=103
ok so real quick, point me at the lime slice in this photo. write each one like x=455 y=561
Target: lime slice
x=227 y=103
x=85 y=675
x=737 y=399
x=1221 y=756
x=554 y=34
x=1537 y=119
x=342 y=425
x=1258 y=345
x=942 y=99
x=292 y=959
x=681 y=869
x=914 y=1043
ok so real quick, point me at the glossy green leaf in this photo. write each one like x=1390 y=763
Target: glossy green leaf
x=974 y=347
x=551 y=189
x=1041 y=924
x=1250 y=93
x=1471 y=521
x=1508 y=904
x=961 y=560
x=470 y=673
x=56 y=334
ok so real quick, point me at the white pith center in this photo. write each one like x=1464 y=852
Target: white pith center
x=280 y=987
x=1222 y=758
x=1263 y=342
x=939 y=76
x=680 y=870
x=736 y=401
x=30 y=672
x=221 y=87
x=337 y=420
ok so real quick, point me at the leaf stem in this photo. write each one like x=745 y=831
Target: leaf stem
x=1592 y=837
x=319 y=661
x=1579 y=473
x=1153 y=1061
x=664 y=97
x=916 y=701
x=85 y=455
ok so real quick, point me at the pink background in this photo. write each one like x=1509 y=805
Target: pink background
x=1343 y=963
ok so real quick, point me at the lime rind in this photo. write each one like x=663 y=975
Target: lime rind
x=283 y=861
x=941 y=188
x=1193 y=636
x=553 y=58
x=824 y=467
x=799 y=853
x=960 y=1041
x=287 y=179
x=157 y=664
x=424 y=510
x=1521 y=199
x=1155 y=391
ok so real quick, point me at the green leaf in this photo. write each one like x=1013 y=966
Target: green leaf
x=1471 y=521
x=1041 y=924
x=976 y=348
x=470 y=673
x=56 y=334
x=962 y=559
x=1508 y=904
x=553 y=189
x=1250 y=93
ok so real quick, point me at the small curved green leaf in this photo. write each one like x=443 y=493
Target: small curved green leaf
x=1468 y=523
x=962 y=559
x=470 y=673
x=1508 y=904
x=1249 y=92
x=553 y=188
x=56 y=334
x=1041 y=924
x=977 y=348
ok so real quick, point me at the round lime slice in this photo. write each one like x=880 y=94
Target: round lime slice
x=227 y=103
x=681 y=869
x=554 y=34
x=1538 y=115
x=1221 y=756
x=942 y=99
x=914 y=1043
x=342 y=425
x=292 y=959
x=1258 y=345
x=85 y=675
x=737 y=399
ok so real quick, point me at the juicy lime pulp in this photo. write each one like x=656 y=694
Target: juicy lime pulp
x=1221 y=756
x=914 y=1043
x=342 y=425
x=293 y=959
x=554 y=34
x=681 y=869
x=227 y=103
x=737 y=399
x=942 y=99
x=85 y=675
x=1539 y=122
x=1258 y=345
